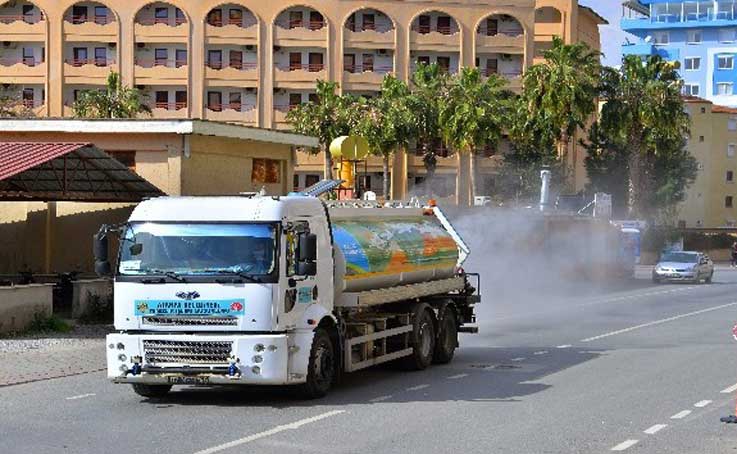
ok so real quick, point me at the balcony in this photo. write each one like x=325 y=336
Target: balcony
x=160 y=72
x=299 y=76
x=172 y=30
x=243 y=74
x=299 y=34
x=441 y=39
x=243 y=32
x=508 y=42
x=19 y=70
x=370 y=38
x=92 y=70
x=232 y=113
x=169 y=110
x=82 y=28
x=280 y=116
x=358 y=77
x=647 y=49
x=22 y=28
x=676 y=19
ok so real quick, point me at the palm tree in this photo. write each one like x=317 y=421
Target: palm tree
x=326 y=119
x=472 y=116
x=115 y=101
x=562 y=90
x=644 y=112
x=386 y=122
x=428 y=86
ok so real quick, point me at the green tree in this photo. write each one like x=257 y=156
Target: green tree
x=645 y=115
x=428 y=86
x=607 y=168
x=472 y=116
x=560 y=94
x=115 y=101
x=12 y=105
x=326 y=119
x=386 y=122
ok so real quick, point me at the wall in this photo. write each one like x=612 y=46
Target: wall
x=85 y=290
x=19 y=304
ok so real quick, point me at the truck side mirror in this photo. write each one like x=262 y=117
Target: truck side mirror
x=307 y=247
x=100 y=252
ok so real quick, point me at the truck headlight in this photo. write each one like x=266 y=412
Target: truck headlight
x=258 y=348
x=121 y=346
x=258 y=359
x=122 y=357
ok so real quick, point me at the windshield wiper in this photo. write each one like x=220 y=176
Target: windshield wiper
x=240 y=274
x=169 y=274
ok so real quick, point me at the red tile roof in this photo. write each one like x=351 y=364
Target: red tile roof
x=15 y=157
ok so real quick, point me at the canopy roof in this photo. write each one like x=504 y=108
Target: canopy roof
x=44 y=171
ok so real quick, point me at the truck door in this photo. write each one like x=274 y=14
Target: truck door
x=300 y=291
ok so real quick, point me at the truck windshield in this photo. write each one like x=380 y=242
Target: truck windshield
x=197 y=249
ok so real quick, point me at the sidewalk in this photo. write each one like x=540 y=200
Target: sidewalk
x=52 y=356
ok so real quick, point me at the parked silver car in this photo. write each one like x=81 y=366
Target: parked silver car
x=684 y=266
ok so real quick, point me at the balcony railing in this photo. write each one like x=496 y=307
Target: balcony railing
x=445 y=69
x=165 y=62
x=168 y=21
x=677 y=17
x=378 y=28
x=238 y=107
x=244 y=22
x=241 y=66
x=443 y=30
x=292 y=24
x=284 y=108
x=4 y=61
x=513 y=33
x=100 y=20
x=27 y=18
x=357 y=69
x=312 y=67
x=32 y=103
x=78 y=62
x=172 y=106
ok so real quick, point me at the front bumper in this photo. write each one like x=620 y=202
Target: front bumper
x=264 y=359
x=674 y=275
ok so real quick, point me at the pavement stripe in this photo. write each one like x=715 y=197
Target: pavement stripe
x=518 y=359
x=702 y=404
x=655 y=429
x=681 y=414
x=541 y=352
x=564 y=346
x=658 y=322
x=270 y=432
x=417 y=388
x=730 y=390
x=456 y=377
x=381 y=398
x=624 y=445
x=81 y=396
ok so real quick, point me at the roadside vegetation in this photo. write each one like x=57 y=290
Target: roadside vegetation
x=47 y=324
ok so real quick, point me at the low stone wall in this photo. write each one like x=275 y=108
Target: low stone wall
x=83 y=289
x=18 y=305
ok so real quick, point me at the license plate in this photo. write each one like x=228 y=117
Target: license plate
x=188 y=380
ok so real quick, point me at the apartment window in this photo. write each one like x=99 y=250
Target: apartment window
x=312 y=97
x=79 y=14
x=444 y=25
x=368 y=22
x=725 y=62
x=492 y=66
x=234 y=101
x=101 y=15
x=730 y=176
x=368 y=62
x=703 y=110
x=727 y=35
x=161 y=15
x=349 y=63
x=691 y=89
x=444 y=64
x=728 y=202
x=350 y=23
x=724 y=88
x=27 y=13
x=692 y=63
x=732 y=124
x=730 y=150
x=28 y=97
x=79 y=56
x=180 y=98
x=215 y=101
x=295 y=61
x=316 y=20
x=28 y=58
x=161 y=57
x=127 y=158
x=100 y=56
x=295 y=19
x=701 y=139
x=316 y=63
x=235 y=17
x=662 y=38
x=162 y=99
x=424 y=24
x=215 y=59
x=179 y=14
x=694 y=37
x=181 y=58
x=492 y=27
x=215 y=18
x=311 y=179
x=423 y=60
x=236 y=59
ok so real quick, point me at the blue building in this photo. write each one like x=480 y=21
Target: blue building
x=700 y=35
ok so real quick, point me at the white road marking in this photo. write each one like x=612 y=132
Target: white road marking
x=270 y=432
x=624 y=445
x=681 y=414
x=541 y=352
x=564 y=346
x=81 y=396
x=456 y=377
x=521 y=358
x=655 y=429
x=702 y=404
x=658 y=322
x=730 y=390
x=417 y=388
x=381 y=398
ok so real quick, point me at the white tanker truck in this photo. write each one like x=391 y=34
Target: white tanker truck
x=257 y=290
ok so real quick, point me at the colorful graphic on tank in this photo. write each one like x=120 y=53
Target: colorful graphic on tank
x=378 y=246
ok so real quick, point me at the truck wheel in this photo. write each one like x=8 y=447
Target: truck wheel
x=321 y=369
x=422 y=340
x=447 y=341
x=709 y=278
x=151 y=391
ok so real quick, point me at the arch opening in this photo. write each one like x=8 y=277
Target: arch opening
x=369 y=19
x=161 y=13
x=548 y=15
x=435 y=21
x=231 y=14
x=84 y=12
x=300 y=17
x=500 y=24
x=25 y=11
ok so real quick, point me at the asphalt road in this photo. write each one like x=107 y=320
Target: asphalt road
x=637 y=368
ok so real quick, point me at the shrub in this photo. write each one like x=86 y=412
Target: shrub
x=47 y=323
x=99 y=309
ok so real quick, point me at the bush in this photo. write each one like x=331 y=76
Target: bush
x=99 y=309
x=47 y=323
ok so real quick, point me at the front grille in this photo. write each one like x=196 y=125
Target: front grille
x=190 y=321
x=187 y=352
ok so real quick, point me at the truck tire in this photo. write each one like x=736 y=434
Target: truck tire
x=321 y=370
x=151 y=391
x=422 y=339
x=710 y=278
x=447 y=341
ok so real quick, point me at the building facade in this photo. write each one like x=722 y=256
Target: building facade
x=249 y=61
x=700 y=35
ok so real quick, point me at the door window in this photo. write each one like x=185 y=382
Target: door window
x=79 y=14
x=215 y=101
x=424 y=24
x=316 y=64
x=160 y=57
x=215 y=18
x=349 y=63
x=181 y=99
x=181 y=57
x=368 y=22
x=295 y=61
x=215 y=59
x=100 y=56
x=236 y=59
